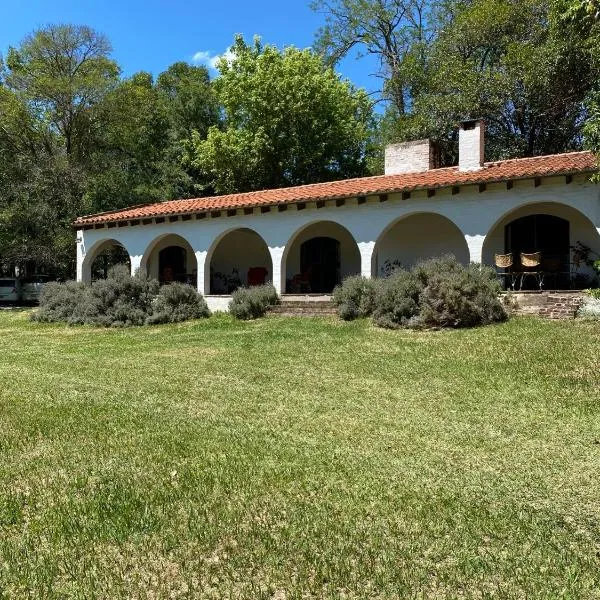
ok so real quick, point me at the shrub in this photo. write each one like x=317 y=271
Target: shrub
x=594 y=293
x=58 y=301
x=177 y=302
x=355 y=297
x=457 y=296
x=119 y=301
x=253 y=302
x=590 y=307
x=397 y=300
x=439 y=293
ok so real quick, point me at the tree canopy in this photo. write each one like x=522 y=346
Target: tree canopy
x=520 y=65
x=288 y=120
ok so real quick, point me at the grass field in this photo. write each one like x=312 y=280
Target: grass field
x=299 y=458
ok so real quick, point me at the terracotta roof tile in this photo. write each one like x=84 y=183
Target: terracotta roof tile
x=523 y=168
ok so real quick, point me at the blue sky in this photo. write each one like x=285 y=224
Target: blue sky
x=150 y=35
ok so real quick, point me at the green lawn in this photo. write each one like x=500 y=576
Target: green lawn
x=299 y=458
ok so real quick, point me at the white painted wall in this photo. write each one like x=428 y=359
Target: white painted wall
x=417 y=237
x=475 y=214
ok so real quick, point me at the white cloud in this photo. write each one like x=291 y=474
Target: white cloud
x=206 y=57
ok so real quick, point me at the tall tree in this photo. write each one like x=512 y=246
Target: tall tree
x=395 y=32
x=288 y=120
x=50 y=90
x=515 y=65
x=61 y=72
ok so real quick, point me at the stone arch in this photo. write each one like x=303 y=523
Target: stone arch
x=416 y=236
x=560 y=252
x=108 y=248
x=237 y=257
x=170 y=257
x=317 y=256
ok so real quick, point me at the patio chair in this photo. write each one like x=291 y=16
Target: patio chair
x=505 y=261
x=531 y=267
x=257 y=275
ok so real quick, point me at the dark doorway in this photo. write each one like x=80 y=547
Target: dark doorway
x=320 y=262
x=546 y=234
x=171 y=264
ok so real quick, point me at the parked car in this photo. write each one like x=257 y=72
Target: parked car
x=10 y=289
x=31 y=287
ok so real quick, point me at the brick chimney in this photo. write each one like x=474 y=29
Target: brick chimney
x=471 y=142
x=409 y=157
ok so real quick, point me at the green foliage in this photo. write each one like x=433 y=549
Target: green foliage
x=61 y=73
x=458 y=296
x=75 y=139
x=120 y=300
x=439 y=292
x=525 y=67
x=394 y=31
x=355 y=297
x=177 y=302
x=397 y=302
x=253 y=302
x=289 y=120
x=59 y=301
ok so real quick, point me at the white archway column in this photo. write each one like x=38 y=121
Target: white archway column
x=366 y=250
x=136 y=263
x=203 y=280
x=475 y=245
x=80 y=274
x=276 y=253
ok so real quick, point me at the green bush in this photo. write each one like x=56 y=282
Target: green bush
x=58 y=301
x=177 y=302
x=355 y=297
x=253 y=302
x=457 y=296
x=120 y=300
x=440 y=292
x=397 y=300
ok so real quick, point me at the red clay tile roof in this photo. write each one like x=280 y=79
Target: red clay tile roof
x=522 y=168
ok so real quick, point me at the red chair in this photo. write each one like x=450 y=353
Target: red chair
x=257 y=275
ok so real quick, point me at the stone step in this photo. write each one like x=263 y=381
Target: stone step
x=300 y=304
x=550 y=305
x=307 y=309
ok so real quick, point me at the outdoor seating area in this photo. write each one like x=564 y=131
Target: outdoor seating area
x=534 y=270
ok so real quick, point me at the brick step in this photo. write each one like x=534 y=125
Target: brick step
x=305 y=309
x=312 y=304
x=549 y=305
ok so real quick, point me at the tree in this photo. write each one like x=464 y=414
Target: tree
x=288 y=120
x=50 y=90
x=515 y=65
x=396 y=32
x=192 y=103
x=76 y=139
x=525 y=67
x=61 y=72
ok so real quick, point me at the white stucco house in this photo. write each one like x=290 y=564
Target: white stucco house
x=308 y=238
